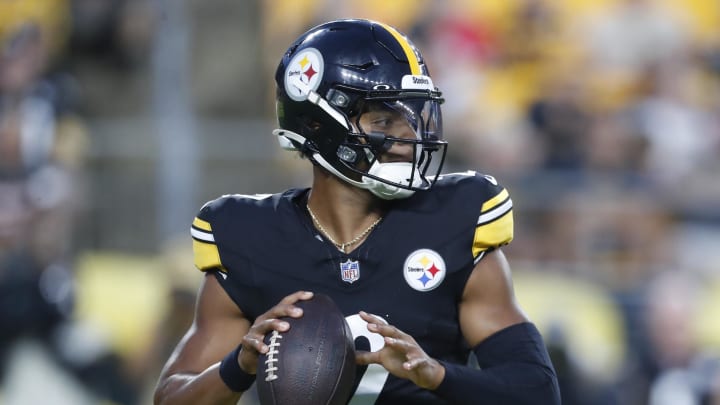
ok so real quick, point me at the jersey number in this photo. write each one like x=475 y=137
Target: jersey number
x=373 y=379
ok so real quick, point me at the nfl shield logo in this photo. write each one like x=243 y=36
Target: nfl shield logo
x=350 y=271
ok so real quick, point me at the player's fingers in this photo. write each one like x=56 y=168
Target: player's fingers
x=296 y=296
x=262 y=327
x=254 y=343
x=399 y=344
x=255 y=336
x=286 y=306
x=386 y=330
x=364 y=358
x=371 y=318
x=379 y=325
x=414 y=363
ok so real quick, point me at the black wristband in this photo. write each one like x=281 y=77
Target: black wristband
x=233 y=375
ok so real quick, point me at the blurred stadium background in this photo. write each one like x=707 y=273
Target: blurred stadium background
x=120 y=118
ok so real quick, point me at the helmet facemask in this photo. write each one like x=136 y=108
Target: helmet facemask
x=393 y=145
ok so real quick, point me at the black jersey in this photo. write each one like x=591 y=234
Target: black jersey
x=411 y=269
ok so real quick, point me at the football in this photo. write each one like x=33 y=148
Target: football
x=313 y=363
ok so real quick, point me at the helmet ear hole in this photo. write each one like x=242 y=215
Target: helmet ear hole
x=311 y=125
x=310 y=129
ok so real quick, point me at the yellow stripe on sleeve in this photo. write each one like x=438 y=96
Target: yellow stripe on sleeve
x=206 y=253
x=491 y=203
x=200 y=224
x=411 y=57
x=207 y=256
x=493 y=234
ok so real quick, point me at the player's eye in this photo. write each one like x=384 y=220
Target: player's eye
x=382 y=122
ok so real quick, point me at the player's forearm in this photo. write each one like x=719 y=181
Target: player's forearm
x=469 y=386
x=515 y=369
x=204 y=388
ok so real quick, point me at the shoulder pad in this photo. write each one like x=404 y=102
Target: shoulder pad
x=494 y=227
x=205 y=250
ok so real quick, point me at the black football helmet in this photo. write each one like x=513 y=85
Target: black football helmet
x=350 y=95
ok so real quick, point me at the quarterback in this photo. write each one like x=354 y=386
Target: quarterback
x=411 y=256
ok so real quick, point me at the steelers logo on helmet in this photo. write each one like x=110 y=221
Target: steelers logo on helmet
x=304 y=74
x=424 y=269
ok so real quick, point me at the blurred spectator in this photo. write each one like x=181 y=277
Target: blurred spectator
x=38 y=193
x=562 y=122
x=669 y=366
x=533 y=33
x=676 y=125
x=117 y=33
x=37 y=197
x=42 y=150
x=615 y=146
x=109 y=51
x=632 y=34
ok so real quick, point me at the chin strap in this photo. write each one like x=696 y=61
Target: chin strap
x=397 y=172
x=285 y=139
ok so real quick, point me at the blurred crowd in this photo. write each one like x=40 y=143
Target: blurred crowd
x=604 y=120
x=601 y=117
x=44 y=144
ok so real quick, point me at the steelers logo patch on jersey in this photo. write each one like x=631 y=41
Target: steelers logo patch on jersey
x=424 y=269
x=303 y=74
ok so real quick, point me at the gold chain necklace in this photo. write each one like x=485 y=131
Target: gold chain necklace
x=341 y=246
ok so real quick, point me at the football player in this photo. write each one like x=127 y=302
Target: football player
x=412 y=257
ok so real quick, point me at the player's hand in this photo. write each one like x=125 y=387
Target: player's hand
x=401 y=355
x=253 y=342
